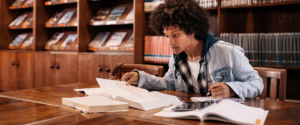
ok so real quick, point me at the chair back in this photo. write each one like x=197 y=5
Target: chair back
x=151 y=69
x=274 y=81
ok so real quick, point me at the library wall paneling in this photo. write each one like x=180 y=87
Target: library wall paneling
x=16 y=70
x=92 y=66
x=55 y=68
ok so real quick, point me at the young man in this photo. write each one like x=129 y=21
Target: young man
x=201 y=62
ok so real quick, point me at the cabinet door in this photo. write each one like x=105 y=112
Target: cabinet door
x=66 y=71
x=44 y=69
x=24 y=66
x=111 y=61
x=90 y=68
x=8 y=71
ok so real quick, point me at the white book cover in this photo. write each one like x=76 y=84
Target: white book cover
x=69 y=40
x=136 y=97
x=66 y=18
x=55 y=38
x=18 y=40
x=18 y=20
x=28 y=42
x=116 y=39
x=130 y=16
x=99 y=39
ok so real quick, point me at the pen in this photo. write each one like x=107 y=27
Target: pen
x=208 y=93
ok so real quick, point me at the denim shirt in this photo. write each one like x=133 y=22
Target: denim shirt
x=222 y=59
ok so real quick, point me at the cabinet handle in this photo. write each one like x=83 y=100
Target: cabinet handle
x=57 y=66
x=12 y=64
x=17 y=64
x=107 y=69
x=99 y=69
x=51 y=66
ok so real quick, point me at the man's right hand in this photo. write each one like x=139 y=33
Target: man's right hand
x=131 y=78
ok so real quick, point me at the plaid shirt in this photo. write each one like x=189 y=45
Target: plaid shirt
x=183 y=69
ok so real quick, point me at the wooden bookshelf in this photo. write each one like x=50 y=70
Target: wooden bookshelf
x=268 y=4
x=60 y=2
x=20 y=7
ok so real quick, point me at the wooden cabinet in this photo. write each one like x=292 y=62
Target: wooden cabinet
x=16 y=70
x=92 y=66
x=55 y=69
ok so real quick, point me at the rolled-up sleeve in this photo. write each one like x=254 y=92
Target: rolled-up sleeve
x=247 y=84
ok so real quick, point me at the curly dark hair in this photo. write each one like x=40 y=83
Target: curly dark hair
x=186 y=14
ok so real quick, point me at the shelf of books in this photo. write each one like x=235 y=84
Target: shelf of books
x=230 y=4
x=56 y=28
x=59 y=2
x=21 y=4
x=111 y=26
x=17 y=24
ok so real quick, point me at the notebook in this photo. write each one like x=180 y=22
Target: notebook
x=226 y=111
x=211 y=99
x=136 y=97
x=91 y=104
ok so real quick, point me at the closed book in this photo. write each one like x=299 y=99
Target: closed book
x=101 y=14
x=130 y=16
x=55 y=18
x=66 y=18
x=99 y=39
x=130 y=41
x=69 y=40
x=18 y=20
x=92 y=104
x=116 y=39
x=28 y=42
x=116 y=13
x=19 y=39
x=54 y=39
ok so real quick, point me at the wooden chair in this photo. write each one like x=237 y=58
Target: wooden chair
x=270 y=77
x=121 y=69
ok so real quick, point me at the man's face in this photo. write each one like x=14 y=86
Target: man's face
x=178 y=40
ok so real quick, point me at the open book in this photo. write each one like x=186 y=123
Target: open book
x=226 y=111
x=136 y=97
x=95 y=104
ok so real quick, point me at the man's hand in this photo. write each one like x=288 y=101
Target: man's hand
x=221 y=90
x=131 y=78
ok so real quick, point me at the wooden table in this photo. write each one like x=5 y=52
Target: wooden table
x=279 y=112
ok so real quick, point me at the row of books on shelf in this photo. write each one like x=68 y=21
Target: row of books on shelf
x=268 y=49
x=157 y=49
x=23 y=41
x=115 y=14
x=115 y=40
x=207 y=3
x=18 y=3
x=225 y=3
x=69 y=42
x=149 y=5
x=63 y=18
x=24 y=20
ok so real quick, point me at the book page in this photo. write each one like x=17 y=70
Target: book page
x=111 y=87
x=235 y=112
